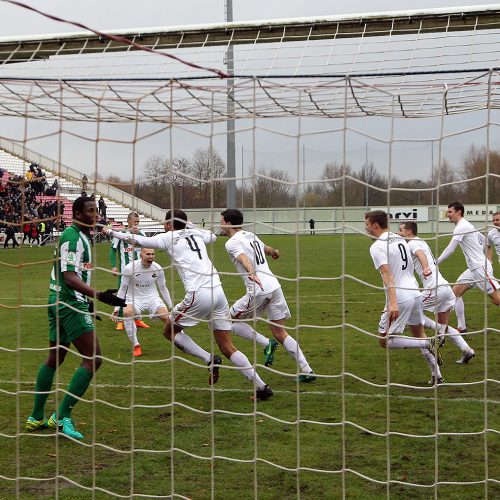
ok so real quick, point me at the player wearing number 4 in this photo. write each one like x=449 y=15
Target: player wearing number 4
x=70 y=321
x=437 y=296
x=392 y=257
x=185 y=244
x=479 y=272
x=140 y=279
x=264 y=293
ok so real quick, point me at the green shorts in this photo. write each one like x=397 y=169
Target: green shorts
x=67 y=324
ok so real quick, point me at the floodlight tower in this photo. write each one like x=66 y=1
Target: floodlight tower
x=230 y=136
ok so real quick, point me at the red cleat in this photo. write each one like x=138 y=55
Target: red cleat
x=140 y=324
x=137 y=351
x=119 y=325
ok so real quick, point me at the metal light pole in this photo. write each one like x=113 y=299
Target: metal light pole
x=231 y=139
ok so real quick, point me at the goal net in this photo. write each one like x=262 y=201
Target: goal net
x=305 y=125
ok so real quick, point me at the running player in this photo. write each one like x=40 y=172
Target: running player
x=122 y=253
x=494 y=238
x=264 y=293
x=479 y=272
x=437 y=296
x=70 y=321
x=141 y=281
x=204 y=299
x=392 y=257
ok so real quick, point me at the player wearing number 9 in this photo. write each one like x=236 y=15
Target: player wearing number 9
x=392 y=257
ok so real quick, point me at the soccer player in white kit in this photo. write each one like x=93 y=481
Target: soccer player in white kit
x=392 y=257
x=437 y=296
x=264 y=293
x=140 y=283
x=479 y=272
x=204 y=299
x=493 y=238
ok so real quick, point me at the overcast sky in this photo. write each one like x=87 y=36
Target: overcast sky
x=127 y=14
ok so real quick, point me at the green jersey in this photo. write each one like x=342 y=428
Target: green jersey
x=73 y=253
x=125 y=250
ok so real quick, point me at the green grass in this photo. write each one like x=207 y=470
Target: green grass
x=296 y=444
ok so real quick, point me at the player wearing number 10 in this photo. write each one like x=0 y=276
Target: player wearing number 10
x=392 y=257
x=185 y=244
x=70 y=321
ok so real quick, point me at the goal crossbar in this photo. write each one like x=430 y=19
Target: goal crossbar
x=29 y=48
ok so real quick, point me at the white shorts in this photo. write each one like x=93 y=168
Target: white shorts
x=204 y=304
x=150 y=304
x=440 y=300
x=251 y=305
x=479 y=278
x=410 y=313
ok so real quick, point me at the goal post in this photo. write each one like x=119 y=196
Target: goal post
x=333 y=116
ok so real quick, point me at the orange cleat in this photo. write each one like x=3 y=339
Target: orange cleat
x=140 y=324
x=119 y=325
x=137 y=351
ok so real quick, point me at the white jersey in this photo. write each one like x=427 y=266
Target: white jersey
x=140 y=282
x=471 y=242
x=392 y=249
x=494 y=240
x=436 y=278
x=188 y=253
x=245 y=242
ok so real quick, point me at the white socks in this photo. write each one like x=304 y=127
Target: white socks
x=186 y=344
x=245 y=331
x=241 y=362
x=131 y=330
x=291 y=346
x=431 y=361
x=452 y=334
x=403 y=342
x=460 y=312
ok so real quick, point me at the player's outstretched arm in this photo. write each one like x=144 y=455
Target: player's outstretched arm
x=452 y=245
x=247 y=264
x=136 y=239
x=72 y=280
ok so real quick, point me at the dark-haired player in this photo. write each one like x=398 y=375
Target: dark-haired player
x=185 y=244
x=70 y=321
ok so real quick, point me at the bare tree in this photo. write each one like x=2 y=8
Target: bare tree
x=273 y=189
x=209 y=169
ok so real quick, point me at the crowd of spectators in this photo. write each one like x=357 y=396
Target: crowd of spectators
x=35 y=219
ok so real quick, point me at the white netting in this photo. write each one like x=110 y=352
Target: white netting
x=369 y=425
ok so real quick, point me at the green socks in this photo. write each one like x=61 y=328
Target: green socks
x=77 y=387
x=43 y=385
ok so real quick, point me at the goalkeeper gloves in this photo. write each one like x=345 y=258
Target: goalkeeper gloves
x=109 y=298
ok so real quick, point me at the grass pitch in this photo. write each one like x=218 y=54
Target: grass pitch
x=370 y=426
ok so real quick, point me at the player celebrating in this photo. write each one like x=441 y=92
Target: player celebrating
x=264 y=293
x=70 y=320
x=204 y=299
x=494 y=238
x=140 y=279
x=126 y=253
x=392 y=257
x=479 y=272
x=437 y=296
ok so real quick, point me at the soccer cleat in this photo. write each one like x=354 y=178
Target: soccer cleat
x=466 y=357
x=34 y=425
x=265 y=393
x=65 y=426
x=269 y=352
x=137 y=351
x=461 y=330
x=434 y=350
x=436 y=381
x=119 y=325
x=140 y=324
x=441 y=336
x=213 y=369
x=307 y=377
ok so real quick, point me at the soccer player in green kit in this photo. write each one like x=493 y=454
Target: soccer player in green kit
x=70 y=321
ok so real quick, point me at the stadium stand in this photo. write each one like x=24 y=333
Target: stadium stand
x=57 y=188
